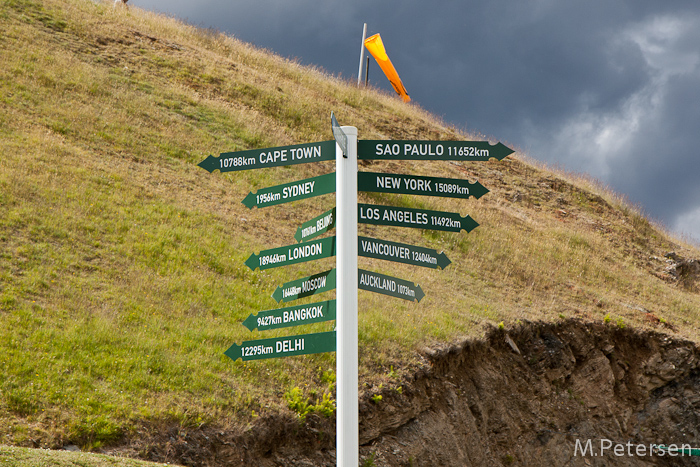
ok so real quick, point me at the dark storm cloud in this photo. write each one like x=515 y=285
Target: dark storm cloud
x=535 y=66
x=608 y=88
x=661 y=169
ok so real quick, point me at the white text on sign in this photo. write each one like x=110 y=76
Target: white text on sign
x=292 y=154
x=394 y=215
x=426 y=149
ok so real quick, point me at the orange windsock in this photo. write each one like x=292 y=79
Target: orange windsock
x=376 y=47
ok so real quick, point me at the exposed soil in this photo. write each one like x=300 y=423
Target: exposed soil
x=522 y=396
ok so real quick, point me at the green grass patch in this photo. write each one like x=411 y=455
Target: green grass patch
x=23 y=457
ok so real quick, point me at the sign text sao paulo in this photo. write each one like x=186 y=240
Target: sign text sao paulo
x=431 y=150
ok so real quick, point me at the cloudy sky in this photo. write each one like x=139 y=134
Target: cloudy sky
x=610 y=88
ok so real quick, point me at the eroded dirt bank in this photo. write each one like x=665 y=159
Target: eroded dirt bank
x=521 y=397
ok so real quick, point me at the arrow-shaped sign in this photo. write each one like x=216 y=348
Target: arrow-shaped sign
x=288 y=346
x=305 y=287
x=291 y=316
x=293 y=191
x=387 y=285
x=270 y=157
x=292 y=254
x=424 y=186
x=431 y=150
x=415 y=218
x=401 y=253
x=316 y=226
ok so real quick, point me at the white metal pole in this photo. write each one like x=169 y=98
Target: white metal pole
x=347 y=417
x=362 y=54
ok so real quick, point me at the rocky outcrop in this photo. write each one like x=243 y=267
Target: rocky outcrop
x=685 y=271
x=484 y=404
x=540 y=394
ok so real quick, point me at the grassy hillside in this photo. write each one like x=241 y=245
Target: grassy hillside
x=122 y=276
x=25 y=457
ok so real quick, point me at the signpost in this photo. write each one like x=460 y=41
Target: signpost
x=347 y=246
x=414 y=218
x=288 y=192
x=292 y=316
x=423 y=186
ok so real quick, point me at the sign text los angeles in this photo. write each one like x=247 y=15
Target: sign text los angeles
x=415 y=218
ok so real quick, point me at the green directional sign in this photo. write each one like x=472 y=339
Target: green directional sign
x=415 y=218
x=292 y=316
x=387 y=285
x=414 y=185
x=288 y=346
x=292 y=254
x=431 y=150
x=305 y=287
x=270 y=157
x=401 y=253
x=316 y=226
x=293 y=191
